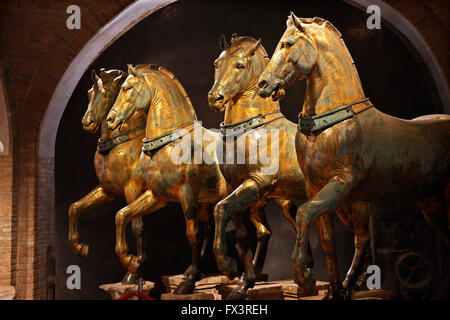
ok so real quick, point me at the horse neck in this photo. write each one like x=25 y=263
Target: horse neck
x=169 y=109
x=333 y=82
x=249 y=104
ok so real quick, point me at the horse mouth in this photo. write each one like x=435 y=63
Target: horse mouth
x=92 y=128
x=278 y=93
x=221 y=107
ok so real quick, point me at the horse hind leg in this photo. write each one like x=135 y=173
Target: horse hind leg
x=437 y=214
x=189 y=203
x=132 y=192
x=263 y=234
x=285 y=207
x=205 y=214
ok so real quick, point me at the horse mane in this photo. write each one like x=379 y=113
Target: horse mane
x=322 y=23
x=167 y=73
x=111 y=75
x=237 y=40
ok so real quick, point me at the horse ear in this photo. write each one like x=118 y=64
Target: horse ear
x=223 y=44
x=254 y=47
x=102 y=72
x=132 y=70
x=93 y=75
x=297 y=23
x=122 y=75
x=94 y=79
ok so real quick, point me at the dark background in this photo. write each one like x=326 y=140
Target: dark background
x=183 y=38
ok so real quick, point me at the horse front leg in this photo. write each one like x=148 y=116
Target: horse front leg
x=239 y=200
x=248 y=278
x=93 y=199
x=258 y=219
x=327 y=240
x=328 y=199
x=188 y=199
x=145 y=204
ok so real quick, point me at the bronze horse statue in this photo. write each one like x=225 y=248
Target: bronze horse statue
x=116 y=161
x=154 y=92
x=351 y=153
x=238 y=69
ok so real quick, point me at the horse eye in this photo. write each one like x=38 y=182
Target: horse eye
x=215 y=64
x=240 y=66
x=286 y=45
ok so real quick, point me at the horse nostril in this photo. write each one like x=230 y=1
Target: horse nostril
x=110 y=119
x=262 y=84
x=219 y=98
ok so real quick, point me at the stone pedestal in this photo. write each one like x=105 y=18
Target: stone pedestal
x=7 y=292
x=276 y=290
x=291 y=291
x=118 y=290
x=271 y=290
x=375 y=294
x=205 y=289
x=193 y=296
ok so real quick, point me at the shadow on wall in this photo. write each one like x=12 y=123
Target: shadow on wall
x=183 y=38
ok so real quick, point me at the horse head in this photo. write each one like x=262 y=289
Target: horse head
x=237 y=69
x=294 y=58
x=101 y=97
x=134 y=97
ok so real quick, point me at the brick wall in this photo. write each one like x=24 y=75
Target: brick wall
x=35 y=50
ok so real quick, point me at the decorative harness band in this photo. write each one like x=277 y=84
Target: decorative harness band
x=103 y=146
x=148 y=145
x=307 y=125
x=238 y=128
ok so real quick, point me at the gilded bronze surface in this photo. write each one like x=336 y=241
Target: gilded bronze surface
x=118 y=168
x=154 y=92
x=238 y=69
x=366 y=158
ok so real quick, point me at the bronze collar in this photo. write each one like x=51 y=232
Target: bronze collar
x=238 y=128
x=103 y=146
x=308 y=125
x=149 y=145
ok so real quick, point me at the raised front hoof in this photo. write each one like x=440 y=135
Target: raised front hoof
x=185 y=287
x=130 y=278
x=130 y=262
x=238 y=294
x=80 y=249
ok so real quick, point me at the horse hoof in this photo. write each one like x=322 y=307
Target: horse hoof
x=334 y=291
x=130 y=278
x=83 y=251
x=185 y=287
x=130 y=262
x=345 y=294
x=237 y=295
